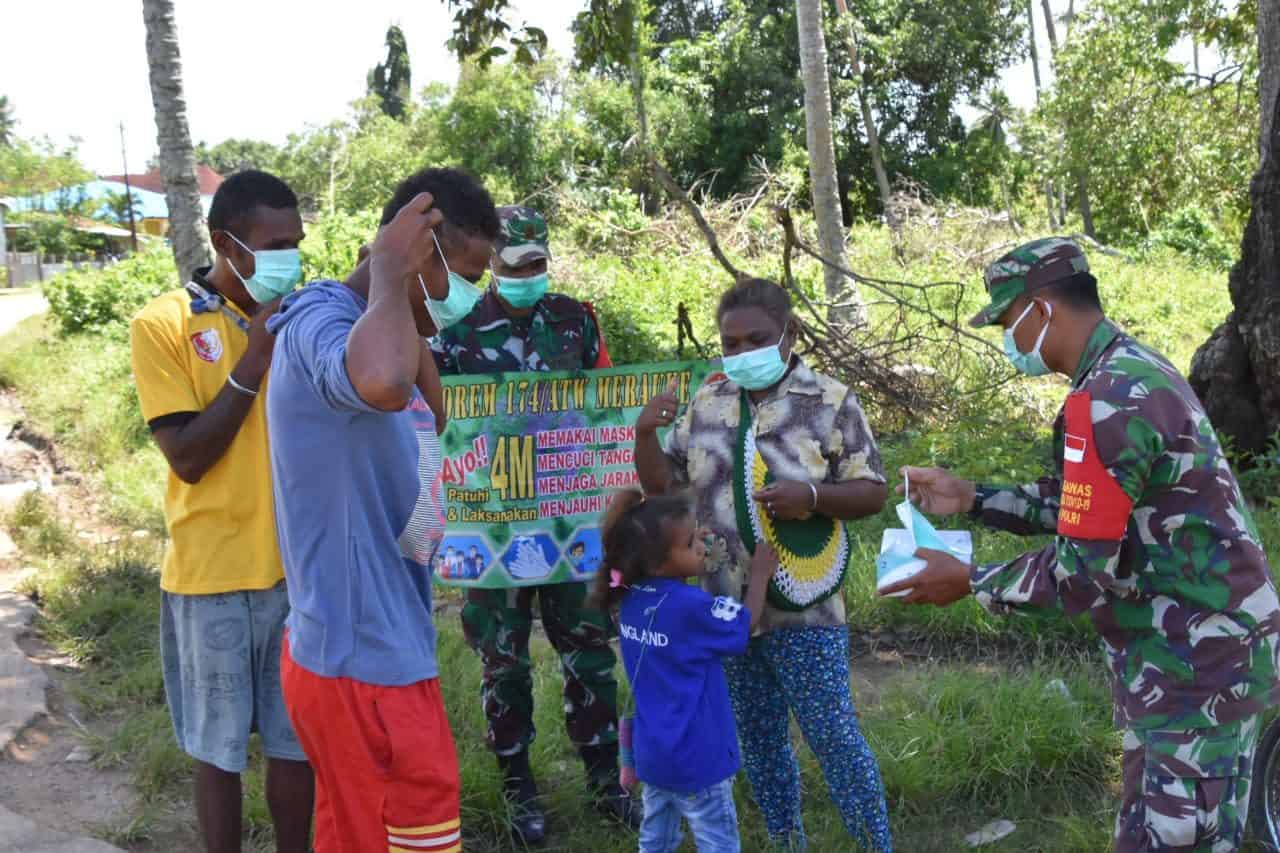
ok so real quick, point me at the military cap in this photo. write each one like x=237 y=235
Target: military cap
x=1026 y=269
x=522 y=235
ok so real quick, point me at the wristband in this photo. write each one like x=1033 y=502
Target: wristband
x=814 y=489
x=248 y=392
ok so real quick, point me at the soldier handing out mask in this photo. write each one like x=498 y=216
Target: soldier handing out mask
x=1153 y=540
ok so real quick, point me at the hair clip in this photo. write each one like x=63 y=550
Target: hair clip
x=615 y=579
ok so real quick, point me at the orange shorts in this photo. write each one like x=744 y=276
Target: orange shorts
x=384 y=761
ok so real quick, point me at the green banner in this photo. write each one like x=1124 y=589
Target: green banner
x=529 y=461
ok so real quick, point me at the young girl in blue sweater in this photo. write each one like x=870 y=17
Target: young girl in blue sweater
x=673 y=636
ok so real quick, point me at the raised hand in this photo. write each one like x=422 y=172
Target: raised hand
x=660 y=411
x=404 y=245
x=256 y=360
x=938 y=492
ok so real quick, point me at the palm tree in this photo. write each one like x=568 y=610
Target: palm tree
x=7 y=122
x=123 y=208
x=995 y=114
x=177 y=155
x=822 y=159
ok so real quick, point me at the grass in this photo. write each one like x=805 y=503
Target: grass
x=958 y=745
x=79 y=391
x=975 y=735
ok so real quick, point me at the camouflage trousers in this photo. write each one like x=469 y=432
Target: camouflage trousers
x=497 y=623
x=1187 y=790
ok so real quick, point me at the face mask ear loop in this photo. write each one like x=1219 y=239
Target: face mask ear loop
x=1022 y=316
x=1044 y=331
x=440 y=251
x=231 y=263
x=906 y=484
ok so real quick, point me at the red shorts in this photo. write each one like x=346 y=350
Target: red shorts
x=386 y=770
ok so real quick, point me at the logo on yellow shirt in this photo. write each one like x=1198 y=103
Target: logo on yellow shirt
x=208 y=345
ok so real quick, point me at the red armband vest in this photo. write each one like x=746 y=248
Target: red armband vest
x=603 y=360
x=1093 y=506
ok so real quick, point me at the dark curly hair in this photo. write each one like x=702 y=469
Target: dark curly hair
x=465 y=203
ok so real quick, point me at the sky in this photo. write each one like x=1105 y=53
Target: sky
x=260 y=69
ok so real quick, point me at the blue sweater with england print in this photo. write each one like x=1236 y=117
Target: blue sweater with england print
x=673 y=636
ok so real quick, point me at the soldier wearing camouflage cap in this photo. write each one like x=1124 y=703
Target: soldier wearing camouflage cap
x=1154 y=541
x=518 y=326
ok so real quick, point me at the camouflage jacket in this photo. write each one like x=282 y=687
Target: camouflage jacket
x=811 y=428
x=1154 y=541
x=560 y=334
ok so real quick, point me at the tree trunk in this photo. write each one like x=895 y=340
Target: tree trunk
x=822 y=162
x=1269 y=67
x=177 y=157
x=1237 y=371
x=1086 y=211
x=1053 y=33
x=868 y=121
x=1031 y=43
x=1049 y=195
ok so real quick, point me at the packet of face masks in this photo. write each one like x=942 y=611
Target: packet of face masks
x=898 y=560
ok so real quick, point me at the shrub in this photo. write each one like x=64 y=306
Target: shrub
x=1190 y=230
x=1258 y=473
x=333 y=243
x=82 y=300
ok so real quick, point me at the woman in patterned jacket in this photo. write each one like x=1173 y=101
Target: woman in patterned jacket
x=777 y=453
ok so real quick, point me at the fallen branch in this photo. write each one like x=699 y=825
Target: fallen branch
x=1098 y=247
x=876 y=359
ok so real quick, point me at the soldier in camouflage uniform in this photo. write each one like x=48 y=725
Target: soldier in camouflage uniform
x=518 y=326
x=1153 y=540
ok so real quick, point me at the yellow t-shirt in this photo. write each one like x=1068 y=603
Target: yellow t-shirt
x=222 y=530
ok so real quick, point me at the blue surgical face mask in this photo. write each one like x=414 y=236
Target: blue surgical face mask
x=522 y=292
x=756 y=369
x=1030 y=363
x=275 y=272
x=463 y=296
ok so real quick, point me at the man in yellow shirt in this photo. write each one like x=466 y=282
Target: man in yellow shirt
x=200 y=359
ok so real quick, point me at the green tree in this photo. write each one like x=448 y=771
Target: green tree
x=739 y=61
x=53 y=235
x=35 y=166
x=506 y=123
x=480 y=25
x=314 y=163
x=236 y=155
x=1151 y=136
x=389 y=81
